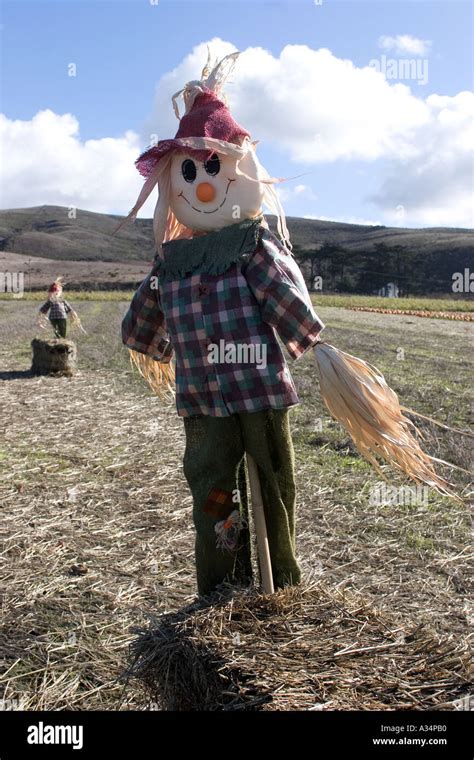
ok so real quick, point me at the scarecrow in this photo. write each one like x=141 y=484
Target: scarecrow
x=206 y=320
x=59 y=310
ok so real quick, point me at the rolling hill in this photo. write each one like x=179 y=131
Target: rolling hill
x=48 y=232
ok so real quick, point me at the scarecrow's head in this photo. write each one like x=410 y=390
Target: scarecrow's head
x=208 y=175
x=55 y=290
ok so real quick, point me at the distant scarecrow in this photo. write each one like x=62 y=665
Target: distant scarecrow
x=59 y=310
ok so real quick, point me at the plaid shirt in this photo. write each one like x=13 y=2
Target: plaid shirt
x=258 y=295
x=58 y=309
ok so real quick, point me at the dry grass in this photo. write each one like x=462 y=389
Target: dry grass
x=98 y=541
x=96 y=531
x=314 y=647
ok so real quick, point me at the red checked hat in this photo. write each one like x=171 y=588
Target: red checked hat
x=206 y=116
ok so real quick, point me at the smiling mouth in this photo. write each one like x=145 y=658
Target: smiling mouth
x=200 y=211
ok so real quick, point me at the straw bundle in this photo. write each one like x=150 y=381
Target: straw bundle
x=54 y=357
x=358 y=397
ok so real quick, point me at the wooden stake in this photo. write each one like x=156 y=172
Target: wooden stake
x=260 y=527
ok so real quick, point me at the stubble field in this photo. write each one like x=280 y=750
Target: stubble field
x=96 y=514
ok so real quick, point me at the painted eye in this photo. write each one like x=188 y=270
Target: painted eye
x=188 y=170
x=213 y=165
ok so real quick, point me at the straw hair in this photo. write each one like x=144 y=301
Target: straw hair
x=213 y=77
x=358 y=397
x=160 y=376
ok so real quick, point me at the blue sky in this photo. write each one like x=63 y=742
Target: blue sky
x=123 y=49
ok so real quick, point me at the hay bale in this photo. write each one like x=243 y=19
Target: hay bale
x=310 y=647
x=54 y=357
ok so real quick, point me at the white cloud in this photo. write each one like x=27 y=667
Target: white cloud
x=319 y=108
x=44 y=161
x=309 y=104
x=435 y=187
x=404 y=43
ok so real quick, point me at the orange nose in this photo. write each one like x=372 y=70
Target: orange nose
x=205 y=192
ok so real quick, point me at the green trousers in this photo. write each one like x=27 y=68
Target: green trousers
x=214 y=467
x=59 y=327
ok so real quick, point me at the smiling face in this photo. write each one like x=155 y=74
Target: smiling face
x=210 y=195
